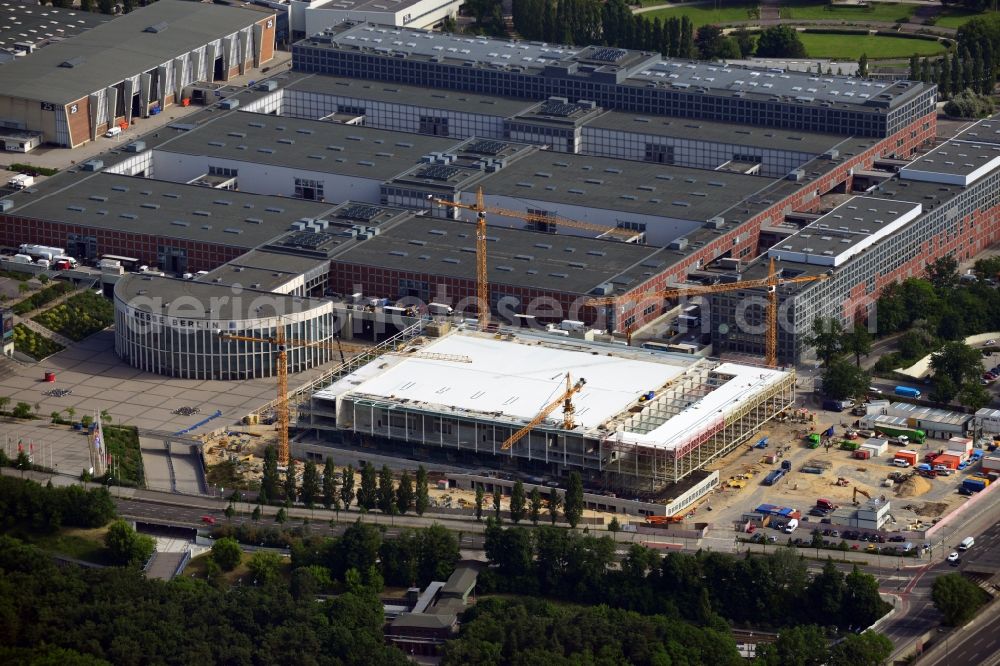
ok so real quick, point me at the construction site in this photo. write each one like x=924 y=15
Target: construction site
x=625 y=418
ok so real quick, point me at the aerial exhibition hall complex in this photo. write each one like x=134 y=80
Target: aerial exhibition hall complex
x=339 y=199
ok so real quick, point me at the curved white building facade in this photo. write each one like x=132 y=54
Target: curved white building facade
x=172 y=327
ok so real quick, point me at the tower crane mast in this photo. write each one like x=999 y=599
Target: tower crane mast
x=771 y=283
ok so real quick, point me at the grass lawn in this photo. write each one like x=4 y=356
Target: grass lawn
x=705 y=14
x=82 y=544
x=198 y=568
x=880 y=11
x=123 y=443
x=850 y=47
x=956 y=17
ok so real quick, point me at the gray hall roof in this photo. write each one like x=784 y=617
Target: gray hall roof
x=814 y=143
x=311 y=145
x=140 y=205
x=191 y=299
x=623 y=185
x=118 y=49
x=459 y=101
x=37 y=24
x=517 y=257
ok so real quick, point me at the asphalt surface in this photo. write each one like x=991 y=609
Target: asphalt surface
x=979 y=644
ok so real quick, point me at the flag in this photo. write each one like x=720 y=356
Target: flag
x=98 y=437
x=20 y=446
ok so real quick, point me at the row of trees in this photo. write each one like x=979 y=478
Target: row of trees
x=71 y=615
x=337 y=491
x=612 y=23
x=378 y=490
x=774 y=590
x=955 y=73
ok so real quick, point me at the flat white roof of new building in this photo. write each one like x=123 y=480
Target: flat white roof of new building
x=709 y=412
x=954 y=163
x=516 y=380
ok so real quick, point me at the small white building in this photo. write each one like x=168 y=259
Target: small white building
x=991 y=464
x=872 y=515
x=18 y=141
x=987 y=421
x=310 y=17
x=876 y=445
x=959 y=446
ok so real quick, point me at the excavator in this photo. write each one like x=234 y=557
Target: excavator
x=858 y=491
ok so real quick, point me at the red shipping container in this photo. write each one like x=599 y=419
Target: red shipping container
x=948 y=460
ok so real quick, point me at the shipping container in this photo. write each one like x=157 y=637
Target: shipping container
x=863 y=454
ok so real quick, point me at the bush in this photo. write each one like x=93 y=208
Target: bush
x=44 y=296
x=32 y=170
x=226 y=553
x=968 y=104
x=34 y=345
x=79 y=317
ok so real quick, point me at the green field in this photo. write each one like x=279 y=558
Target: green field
x=880 y=11
x=956 y=17
x=850 y=47
x=705 y=14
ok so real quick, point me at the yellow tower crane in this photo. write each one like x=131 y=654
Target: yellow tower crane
x=771 y=282
x=480 y=208
x=281 y=345
x=568 y=412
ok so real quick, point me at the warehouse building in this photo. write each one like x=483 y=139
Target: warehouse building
x=559 y=125
x=620 y=79
x=467 y=408
x=128 y=68
x=26 y=28
x=311 y=17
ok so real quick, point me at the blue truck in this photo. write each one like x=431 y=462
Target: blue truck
x=907 y=392
x=773 y=477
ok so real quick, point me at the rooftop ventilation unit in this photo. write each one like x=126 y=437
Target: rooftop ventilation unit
x=156 y=27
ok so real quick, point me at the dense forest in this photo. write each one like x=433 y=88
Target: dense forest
x=52 y=615
x=647 y=609
x=498 y=631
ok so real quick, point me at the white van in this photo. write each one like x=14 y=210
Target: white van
x=790 y=527
x=113 y=132
x=899 y=462
x=967 y=543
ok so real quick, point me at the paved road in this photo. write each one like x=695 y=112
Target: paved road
x=915 y=613
x=978 y=643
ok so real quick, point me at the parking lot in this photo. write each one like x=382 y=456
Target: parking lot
x=915 y=504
